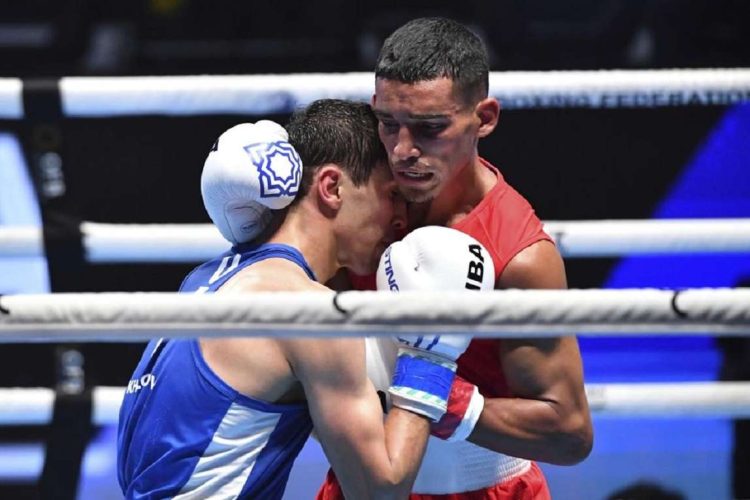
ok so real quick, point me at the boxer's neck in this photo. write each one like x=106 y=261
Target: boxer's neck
x=312 y=235
x=460 y=195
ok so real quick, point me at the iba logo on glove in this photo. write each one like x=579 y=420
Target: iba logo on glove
x=279 y=168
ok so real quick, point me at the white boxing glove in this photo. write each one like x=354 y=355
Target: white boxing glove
x=432 y=258
x=250 y=170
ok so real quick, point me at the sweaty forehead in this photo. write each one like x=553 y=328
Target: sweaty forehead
x=424 y=99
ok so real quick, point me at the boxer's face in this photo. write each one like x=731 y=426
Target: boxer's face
x=429 y=131
x=370 y=217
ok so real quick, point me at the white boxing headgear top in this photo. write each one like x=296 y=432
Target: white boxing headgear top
x=251 y=170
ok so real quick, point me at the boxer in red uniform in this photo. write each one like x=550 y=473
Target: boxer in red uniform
x=431 y=99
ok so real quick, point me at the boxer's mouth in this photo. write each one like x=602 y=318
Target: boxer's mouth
x=415 y=176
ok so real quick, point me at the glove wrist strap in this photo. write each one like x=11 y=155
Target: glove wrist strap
x=422 y=383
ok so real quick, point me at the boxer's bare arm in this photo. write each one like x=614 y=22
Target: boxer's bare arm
x=548 y=419
x=370 y=460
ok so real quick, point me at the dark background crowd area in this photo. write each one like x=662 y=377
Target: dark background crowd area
x=111 y=37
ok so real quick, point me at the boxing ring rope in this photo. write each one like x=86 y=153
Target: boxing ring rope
x=681 y=399
x=131 y=317
x=266 y=94
x=510 y=313
x=132 y=243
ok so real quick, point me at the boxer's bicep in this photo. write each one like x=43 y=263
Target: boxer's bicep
x=550 y=369
x=545 y=369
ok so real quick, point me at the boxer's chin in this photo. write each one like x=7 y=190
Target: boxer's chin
x=418 y=195
x=420 y=190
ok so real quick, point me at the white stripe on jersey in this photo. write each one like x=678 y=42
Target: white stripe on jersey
x=229 y=459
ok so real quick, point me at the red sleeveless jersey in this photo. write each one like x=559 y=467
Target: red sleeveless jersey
x=505 y=223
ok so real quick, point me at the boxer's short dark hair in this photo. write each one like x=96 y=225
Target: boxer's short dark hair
x=434 y=47
x=336 y=131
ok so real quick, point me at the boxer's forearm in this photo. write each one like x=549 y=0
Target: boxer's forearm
x=406 y=439
x=548 y=418
x=534 y=429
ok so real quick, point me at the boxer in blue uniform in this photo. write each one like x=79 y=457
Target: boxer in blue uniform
x=226 y=417
x=206 y=438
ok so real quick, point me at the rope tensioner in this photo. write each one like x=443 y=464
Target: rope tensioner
x=130 y=317
x=112 y=243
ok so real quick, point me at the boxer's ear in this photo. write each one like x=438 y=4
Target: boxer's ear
x=488 y=112
x=328 y=186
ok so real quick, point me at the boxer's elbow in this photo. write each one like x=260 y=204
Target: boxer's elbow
x=389 y=489
x=386 y=483
x=376 y=488
x=573 y=439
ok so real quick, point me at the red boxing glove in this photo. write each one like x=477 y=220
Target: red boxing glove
x=465 y=404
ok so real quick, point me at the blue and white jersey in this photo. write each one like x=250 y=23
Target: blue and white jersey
x=185 y=433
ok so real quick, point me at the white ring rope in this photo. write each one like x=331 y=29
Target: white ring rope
x=33 y=406
x=131 y=243
x=130 y=317
x=11 y=102
x=265 y=94
x=704 y=399
x=614 y=238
